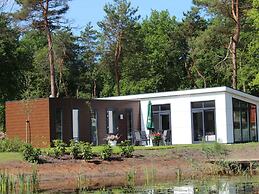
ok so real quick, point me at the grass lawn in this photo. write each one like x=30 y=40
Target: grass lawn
x=10 y=156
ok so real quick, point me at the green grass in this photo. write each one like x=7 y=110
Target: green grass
x=10 y=156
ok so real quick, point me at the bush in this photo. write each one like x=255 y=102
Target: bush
x=106 y=153
x=59 y=147
x=126 y=148
x=31 y=154
x=214 y=150
x=74 y=149
x=11 y=145
x=86 y=151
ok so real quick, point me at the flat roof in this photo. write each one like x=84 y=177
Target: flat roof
x=182 y=93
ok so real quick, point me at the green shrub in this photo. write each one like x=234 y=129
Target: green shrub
x=59 y=148
x=214 y=150
x=106 y=152
x=11 y=145
x=74 y=149
x=126 y=148
x=31 y=154
x=86 y=151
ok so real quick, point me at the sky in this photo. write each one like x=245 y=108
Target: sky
x=82 y=12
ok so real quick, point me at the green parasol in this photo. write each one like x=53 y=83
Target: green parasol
x=150 y=123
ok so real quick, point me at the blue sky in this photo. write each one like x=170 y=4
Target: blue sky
x=83 y=11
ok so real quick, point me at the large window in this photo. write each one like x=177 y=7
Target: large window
x=75 y=124
x=58 y=124
x=244 y=121
x=111 y=121
x=94 y=123
x=161 y=117
x=203 y=121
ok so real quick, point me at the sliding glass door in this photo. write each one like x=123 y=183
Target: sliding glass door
x=203 y=121
x=244 y=121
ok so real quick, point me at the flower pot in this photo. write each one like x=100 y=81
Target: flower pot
x=155 y=142
x=112 y=142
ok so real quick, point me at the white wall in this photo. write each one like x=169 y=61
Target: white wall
x=229 y=112
x=181 y=117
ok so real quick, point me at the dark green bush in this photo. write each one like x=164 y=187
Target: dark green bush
x=31 y=154
x=59 y=148
x=126 y=148
x=11 y=145
x=86 y=151
x=106 y=153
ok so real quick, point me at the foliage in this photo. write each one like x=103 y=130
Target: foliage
x=74 y=148
x=126 y=148
x=11 y=145
x=59 y=147
x=156 y=136
x=106 y=152
x=127 y=55
x=31 y=154
x=214 y=150
x=21 y=183
x=117 y=27
x=86 y=151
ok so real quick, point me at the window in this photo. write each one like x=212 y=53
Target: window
x=129 y=120
x=203 y=121
x=244 y=121
x=94 y=123
x=111 y=121
x=58 y=124
x=161 y=117
x=75 y=123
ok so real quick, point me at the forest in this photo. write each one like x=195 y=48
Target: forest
x=215 y=44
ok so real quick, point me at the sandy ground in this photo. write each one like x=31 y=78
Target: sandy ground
x=145 y=166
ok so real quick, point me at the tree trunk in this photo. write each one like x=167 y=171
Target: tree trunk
x=50 y=50
x=94 y=89
x=117 y=56
x=235 y=40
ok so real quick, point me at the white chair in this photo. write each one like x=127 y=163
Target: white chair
x=166 y=137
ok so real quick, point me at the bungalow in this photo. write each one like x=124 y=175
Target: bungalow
x=213 y=114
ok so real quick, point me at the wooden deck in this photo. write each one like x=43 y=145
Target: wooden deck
x=245 y=164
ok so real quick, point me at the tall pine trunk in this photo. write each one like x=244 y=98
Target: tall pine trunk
x=235 y=40
x=117 y=57
x=50 y=50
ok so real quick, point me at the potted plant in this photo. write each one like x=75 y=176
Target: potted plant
x=156 y=138
x=112 y=139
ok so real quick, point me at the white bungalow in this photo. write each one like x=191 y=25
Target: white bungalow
x=219 y=113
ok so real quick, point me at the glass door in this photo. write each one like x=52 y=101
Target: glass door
x=197 y=126
x=204 y=125
x=164 y=121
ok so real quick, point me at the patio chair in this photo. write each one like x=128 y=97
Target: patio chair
x=139 y=137
x=166 y=137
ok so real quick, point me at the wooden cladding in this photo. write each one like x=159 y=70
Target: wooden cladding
x=34 y=121
x=29 y=121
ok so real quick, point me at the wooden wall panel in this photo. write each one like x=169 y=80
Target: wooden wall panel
x=67 y=105
x=37 y=113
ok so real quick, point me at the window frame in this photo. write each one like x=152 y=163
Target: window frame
x=240 y=108
x=202 y=110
